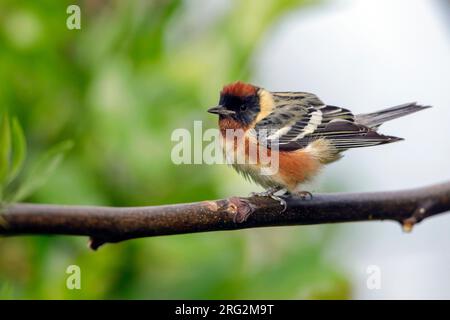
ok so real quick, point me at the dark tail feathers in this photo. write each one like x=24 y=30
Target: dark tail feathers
x=375 y=119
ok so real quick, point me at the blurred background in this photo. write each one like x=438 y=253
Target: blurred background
x=138 y=70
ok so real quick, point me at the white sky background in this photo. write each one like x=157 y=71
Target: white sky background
x=366 y=55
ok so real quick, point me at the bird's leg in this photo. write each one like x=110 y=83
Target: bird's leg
x=271 y=193
x=267 y=193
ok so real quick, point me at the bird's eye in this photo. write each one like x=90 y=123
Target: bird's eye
x=243 y=107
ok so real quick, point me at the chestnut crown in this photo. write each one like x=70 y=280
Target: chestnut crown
x=239 y=101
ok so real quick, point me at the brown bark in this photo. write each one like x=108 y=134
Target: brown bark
x=112 y=224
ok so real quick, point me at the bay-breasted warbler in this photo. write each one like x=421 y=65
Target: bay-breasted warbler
x=301 y=131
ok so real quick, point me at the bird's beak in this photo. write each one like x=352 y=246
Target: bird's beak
x=221 y=110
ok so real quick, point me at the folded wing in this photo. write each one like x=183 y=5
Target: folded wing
x=300 y=118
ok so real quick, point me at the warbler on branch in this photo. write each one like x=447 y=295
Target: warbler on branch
x=301 y=131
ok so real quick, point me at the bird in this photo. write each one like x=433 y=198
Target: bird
x=304 y=133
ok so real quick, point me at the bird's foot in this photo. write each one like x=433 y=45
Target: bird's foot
x=304 y=195
x=271 y=193
x=280 y=200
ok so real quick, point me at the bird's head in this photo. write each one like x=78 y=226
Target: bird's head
x=239 y=101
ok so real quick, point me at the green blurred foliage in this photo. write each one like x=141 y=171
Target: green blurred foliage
x=13 y=150
x=118 y=87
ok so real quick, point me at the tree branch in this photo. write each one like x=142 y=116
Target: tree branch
x=108 y=224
